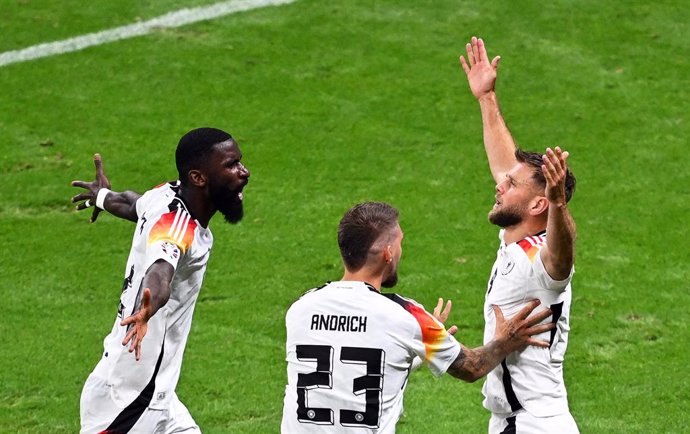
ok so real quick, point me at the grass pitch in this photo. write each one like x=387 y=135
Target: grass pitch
x=334 y=103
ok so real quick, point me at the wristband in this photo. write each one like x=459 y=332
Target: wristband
x=100 y=197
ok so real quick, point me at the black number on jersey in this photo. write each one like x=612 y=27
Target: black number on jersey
x=370 y=385
x=491 y=281
x=321 y=378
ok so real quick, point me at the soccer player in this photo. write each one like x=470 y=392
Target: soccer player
x=526 y=393
x=132 y=389
x=350 y=348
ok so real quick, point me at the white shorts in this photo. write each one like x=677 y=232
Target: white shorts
x=522 y=422
x=98 y=412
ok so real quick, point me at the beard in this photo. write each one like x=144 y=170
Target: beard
x=505 y=217
x=391 y=280
x=227 y=203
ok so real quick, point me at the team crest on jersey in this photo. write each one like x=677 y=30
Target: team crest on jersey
x=508 y=267
x=171 y=250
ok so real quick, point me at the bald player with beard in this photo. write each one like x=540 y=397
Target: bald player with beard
x=350 y=347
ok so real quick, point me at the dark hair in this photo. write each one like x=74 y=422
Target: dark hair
x=534 y=160
x=194 y=147
x=359 y=229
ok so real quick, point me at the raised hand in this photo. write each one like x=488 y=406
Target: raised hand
x=516 y=333
x=89 y=197
x=139 y=322
x=555 y=170
x=481 y=74
x=442 y=315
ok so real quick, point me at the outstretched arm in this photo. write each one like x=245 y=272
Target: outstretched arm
x=512 y=335
x=559 y=254
x=481 y=75
x=156 y=294
x=121 y=205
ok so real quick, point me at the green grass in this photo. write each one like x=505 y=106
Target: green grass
x=334 y=103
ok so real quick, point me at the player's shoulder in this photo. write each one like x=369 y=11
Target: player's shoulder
x=163 y=192
x=306 y=297
x=167 y=213
x=531 y=245
x=314 y=290
x=413 y=311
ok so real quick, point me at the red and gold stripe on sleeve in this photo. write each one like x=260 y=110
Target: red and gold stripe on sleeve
x=176 y=227
x=433 y=334
x=531 y=245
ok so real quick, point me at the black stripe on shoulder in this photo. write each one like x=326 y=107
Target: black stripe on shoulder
x=320 y=287
x=371 y=287
x=396 y=298
x=176 y=203
x=314 y=290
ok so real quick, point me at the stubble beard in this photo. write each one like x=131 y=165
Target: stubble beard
x=391 y=280
x=505 y=217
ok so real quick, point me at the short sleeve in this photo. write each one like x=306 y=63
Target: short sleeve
x=170 y=236
x=433 y=343
x=546 y=280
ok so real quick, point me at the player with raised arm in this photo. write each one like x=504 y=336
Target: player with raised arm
x=350 y=348
x=526 y=393
x=135 y=393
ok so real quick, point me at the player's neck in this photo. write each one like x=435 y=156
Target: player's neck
x=525 y=229
x=364 y=275
x=200 y=208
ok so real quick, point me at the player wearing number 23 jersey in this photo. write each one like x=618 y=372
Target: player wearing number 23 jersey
x=350 y=350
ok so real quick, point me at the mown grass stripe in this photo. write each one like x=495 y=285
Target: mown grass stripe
x=170 y=20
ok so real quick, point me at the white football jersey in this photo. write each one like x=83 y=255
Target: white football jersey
x=533 y=378
x=349 y=353
x=165 y=230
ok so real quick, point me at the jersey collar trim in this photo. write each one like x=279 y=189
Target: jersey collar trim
x=368 y=285
x=175 y=186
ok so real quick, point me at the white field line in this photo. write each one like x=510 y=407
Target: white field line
x=169 y=20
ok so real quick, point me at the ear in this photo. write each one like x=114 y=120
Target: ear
x=538 y=205
x=388 y=254
x=197 y=178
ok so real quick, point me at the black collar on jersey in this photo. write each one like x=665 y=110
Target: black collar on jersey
x=175 y=186
x=367 y=284
x=371 y=287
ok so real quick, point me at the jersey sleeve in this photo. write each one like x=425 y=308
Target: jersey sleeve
x=433 y=343
x=170 y=236
x=532 y=247
x=546 y=280
x=141 y=204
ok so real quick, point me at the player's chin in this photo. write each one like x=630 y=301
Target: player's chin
x=391 y=281
x=233 y=212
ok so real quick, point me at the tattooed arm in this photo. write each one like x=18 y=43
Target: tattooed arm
x=511 y=335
